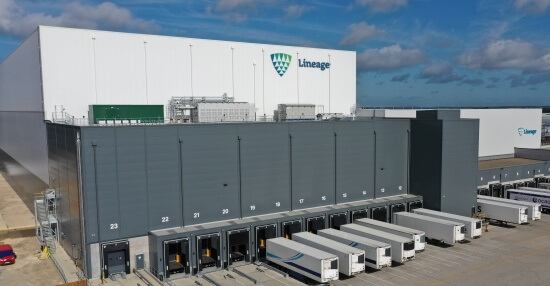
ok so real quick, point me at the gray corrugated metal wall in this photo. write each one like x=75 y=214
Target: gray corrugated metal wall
x=156 y=177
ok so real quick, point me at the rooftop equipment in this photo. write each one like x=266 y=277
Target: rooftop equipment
x=402 y=249
x=502 y=212
x=534 y=209
x=377 y=254
x=437 y=229
x=310 y=262
x=351 y=260
x=417 y=235
x=472 y=225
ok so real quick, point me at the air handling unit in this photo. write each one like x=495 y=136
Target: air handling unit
x=377 y=254
x=417 y=235
x=437 y=229
x=351 y=260
x=502 y=211
x=402 y=249
x=472 y=225
x=534 y=211
x=310 y=262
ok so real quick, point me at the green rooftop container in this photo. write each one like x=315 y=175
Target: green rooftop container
x=126 y=114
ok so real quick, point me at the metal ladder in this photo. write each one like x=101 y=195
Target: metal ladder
x=45 y=213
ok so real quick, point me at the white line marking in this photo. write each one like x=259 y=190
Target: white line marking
x=427 y=266
x=420 y=269
x=366 y=280
x=369 y=275
x=439 y=258
x=404 y=272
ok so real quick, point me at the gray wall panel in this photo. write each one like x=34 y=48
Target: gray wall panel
x=354 y=161
x=487 y=175
x=132 y=181
x=392 y=144
x=210 y=173
x=106 y=171
x=163 y=177
x=459 y=160
x=265 y=173
x=511 y=173
x=313 y=165
x=425 y=166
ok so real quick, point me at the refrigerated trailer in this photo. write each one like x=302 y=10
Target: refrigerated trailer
x=402 y=248
x=418 y=236
x=351 y=260
x=502 y=211
x=533 y=209
x=542 y=198
x=472 y=225
x=310 y=262
x=535 y=189
x=377 y=253
x=443 y=230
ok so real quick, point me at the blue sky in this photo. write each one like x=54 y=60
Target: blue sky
x=409 y=52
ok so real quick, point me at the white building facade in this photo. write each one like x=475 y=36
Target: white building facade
x=75 y=68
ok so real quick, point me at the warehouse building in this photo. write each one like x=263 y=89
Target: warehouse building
x=112 y=122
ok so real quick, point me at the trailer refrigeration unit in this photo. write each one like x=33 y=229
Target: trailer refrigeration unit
x=418 y=236
x=437 y=229
x=542 y=198
x=305 y=260
x=377 y=254
x=502 y=212
x=402 y=249
x=472 y=225
x=351 y=260
x=533 y=209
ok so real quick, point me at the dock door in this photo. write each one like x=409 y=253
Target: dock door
x=290 y=227
x=208 y=252
x=263 y=233
x=315 y=223
x=379 y=213
x=395 y=209
x=238 y=245
x=336 y=220
x=116 y=257
x=176 y=258
x=358 y=214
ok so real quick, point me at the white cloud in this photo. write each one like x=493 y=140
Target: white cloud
x=532 y=6
x=237 y=10
x=389 y=59
x=440 y=72
x=360 y=32
x=382 y=5
x=14 y=20
x=503 y=54
x=295 y=11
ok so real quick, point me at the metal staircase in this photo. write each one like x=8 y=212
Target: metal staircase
x=45 y=213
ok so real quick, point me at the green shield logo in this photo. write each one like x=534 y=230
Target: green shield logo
x=281 y=62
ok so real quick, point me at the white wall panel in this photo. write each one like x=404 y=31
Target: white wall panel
x=126 y=70
x=20 y=88
x=168 y=69
x=498 y=129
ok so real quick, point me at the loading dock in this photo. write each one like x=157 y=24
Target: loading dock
x=290 y=227
x=176 y=258
x=116 y=257
x=395 y=209
x=358 y=215
x=336 y=220
x=313 y=224
x=496 y=190
x=238 y=246
x=208 y=252
x=263 y=233
x=414 y=205
x=379 y=213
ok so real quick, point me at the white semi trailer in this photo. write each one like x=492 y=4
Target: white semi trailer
x=437 y=229
x=418 y=236
x=377 y=253
x=351 y=260
x=402 y=248
x=540 y=197
x=313 y=263
x=503 y=211
x=472 y=225
x=533 y=209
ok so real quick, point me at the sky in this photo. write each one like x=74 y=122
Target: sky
x=421 y=53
